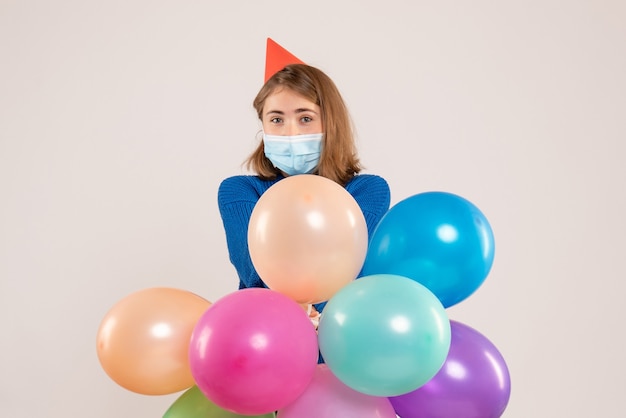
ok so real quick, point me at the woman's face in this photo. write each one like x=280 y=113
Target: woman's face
x=287 y=113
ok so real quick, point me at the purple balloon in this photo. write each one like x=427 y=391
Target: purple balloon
x=473 y=382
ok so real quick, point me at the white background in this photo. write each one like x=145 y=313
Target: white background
x=118 y=120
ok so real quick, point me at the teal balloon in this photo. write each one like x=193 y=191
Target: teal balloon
x=193 y=404
x=438 y=239
x=384 y=335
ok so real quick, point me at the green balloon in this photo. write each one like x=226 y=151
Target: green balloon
x=193 y=404
x=384 y=335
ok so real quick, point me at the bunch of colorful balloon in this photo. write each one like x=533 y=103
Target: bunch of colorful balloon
x=387 y=342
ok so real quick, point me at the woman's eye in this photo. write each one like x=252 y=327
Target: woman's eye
x=306 y=119
x=275 y=120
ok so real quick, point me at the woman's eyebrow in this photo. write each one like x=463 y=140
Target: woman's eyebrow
x=304 y=109
x=299 y=110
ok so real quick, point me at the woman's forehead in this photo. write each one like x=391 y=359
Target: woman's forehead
x=284 y=97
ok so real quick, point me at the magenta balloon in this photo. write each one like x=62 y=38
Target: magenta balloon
x=328 y=397
x=474 y=382
x=253 y=352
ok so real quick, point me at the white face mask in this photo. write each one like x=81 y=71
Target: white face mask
x=297 y=154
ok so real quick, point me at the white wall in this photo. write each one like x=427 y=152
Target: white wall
x=118 y=119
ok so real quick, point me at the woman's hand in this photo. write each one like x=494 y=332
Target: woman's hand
x=314 y=316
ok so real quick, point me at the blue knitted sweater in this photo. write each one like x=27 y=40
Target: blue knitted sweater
x=237 y=196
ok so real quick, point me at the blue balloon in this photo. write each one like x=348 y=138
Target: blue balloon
x=437 y=239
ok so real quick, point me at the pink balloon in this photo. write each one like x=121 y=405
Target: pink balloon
x=254 y=351
x=328 y=397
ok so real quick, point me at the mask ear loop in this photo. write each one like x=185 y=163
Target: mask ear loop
x=259 y=137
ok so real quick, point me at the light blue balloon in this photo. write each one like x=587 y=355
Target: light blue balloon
x=438 y=239
x=384 y=335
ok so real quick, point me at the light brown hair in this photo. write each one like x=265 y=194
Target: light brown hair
x=339 y=160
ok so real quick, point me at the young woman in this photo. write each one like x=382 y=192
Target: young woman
x=306 y=130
